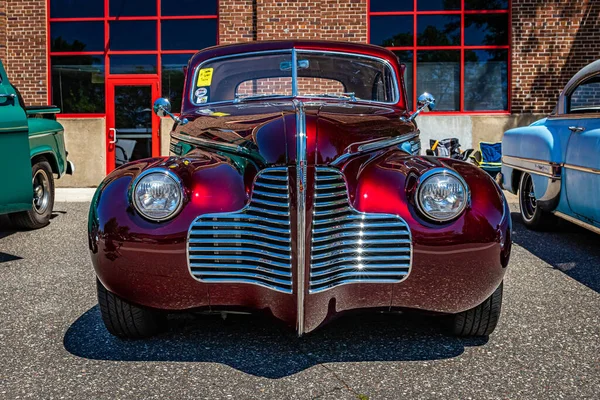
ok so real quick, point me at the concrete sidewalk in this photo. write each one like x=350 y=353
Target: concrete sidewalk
x=74 y=195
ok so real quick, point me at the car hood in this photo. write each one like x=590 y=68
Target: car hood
x=266 y=131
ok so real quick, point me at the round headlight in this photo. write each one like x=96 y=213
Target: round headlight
x=157 y=194
x=442 y=195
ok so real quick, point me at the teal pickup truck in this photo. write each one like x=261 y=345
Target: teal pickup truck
x=32 y=152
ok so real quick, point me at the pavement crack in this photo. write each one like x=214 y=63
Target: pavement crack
x=342 y=381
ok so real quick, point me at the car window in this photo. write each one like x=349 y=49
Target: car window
x=319 y=74
x=586 y=97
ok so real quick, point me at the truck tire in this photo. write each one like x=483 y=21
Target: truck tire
x=533 y=216
x=43 y=199
x=126 y=320
x=480 y=320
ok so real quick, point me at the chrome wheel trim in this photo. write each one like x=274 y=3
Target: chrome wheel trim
x=41 y=191
x=527 y=200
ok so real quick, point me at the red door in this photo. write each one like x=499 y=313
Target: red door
x=132 y=129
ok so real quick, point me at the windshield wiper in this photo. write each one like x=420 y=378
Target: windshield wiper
x=241 y=97
x=346 y=95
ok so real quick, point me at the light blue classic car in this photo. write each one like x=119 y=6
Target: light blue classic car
x=554 y=164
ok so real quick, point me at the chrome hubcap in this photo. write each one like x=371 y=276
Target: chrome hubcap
x=41 y=191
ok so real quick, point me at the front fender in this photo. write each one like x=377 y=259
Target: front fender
x=456 y=265
x=118 y=234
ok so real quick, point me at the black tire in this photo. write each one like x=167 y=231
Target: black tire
x=126 y=320
x=480 y=320
x=533 y=216
x=43 y=200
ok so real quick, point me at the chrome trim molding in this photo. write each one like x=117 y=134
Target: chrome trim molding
x=549 y=200
x=582 y=169
x=539 y=167
x=219 y=146
x=163 y=171
x=300 y=209
x=441 y=171
x=251 y=245
x=349 y=246
x=576 y=221
x=374 y=146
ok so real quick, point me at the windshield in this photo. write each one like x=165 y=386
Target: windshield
x=319 y=74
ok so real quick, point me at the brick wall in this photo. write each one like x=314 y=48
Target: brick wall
x=237 y=21
x=2 y=29
x=25 y=58
x=552 y=40
x=248 y=20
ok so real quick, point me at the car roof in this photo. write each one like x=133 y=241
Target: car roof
x=274 y=45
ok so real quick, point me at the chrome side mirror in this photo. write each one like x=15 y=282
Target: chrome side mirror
x=424 y=102
x=162 y=108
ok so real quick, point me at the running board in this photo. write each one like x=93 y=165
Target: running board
x=585 y=225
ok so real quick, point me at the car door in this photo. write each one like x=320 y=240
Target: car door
x=582 y=159
x=16 y=191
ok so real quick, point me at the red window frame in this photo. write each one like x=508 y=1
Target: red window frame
x=462 y=12
x=107 y=53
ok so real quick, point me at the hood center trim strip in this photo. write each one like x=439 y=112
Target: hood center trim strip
x=301 y=211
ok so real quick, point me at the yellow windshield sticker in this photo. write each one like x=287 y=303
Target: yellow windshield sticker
x=205 y=77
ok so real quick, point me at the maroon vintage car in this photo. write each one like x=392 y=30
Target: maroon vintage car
x=295 y=187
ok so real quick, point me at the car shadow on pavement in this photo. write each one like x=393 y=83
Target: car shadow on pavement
x=568 y=248
x=261 y=346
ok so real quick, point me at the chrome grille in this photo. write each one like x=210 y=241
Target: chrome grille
x=349 y=246
x=247 y=246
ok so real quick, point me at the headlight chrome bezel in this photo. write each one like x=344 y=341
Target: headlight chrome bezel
x=159 y=171
x=444 y=172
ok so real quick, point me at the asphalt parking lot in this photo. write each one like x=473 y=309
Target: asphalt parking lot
x=53 y=343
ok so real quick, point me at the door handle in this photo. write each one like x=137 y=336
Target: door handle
x=576 y=129
x=112 y=134
x=10 y=95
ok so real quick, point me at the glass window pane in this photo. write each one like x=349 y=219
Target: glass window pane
x=132 y=8
x=406 y=58
x=76 y=8
x=486 y=80
x=486 y=29
x=438 y=72
x=132 y=35
x=438 y=30
x=387 y=5
x=435 y=5
x=391 y=30
x=78 y=83
x=586 y=98
x=188 y=7
x=172 y=78
x=133 y=121
x=77 y=36
x=173 y=39
x=133 y=64
x=486 y=4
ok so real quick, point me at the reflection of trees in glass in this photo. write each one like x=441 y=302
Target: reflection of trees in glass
x=78 y=83
x=400 y=39
x=59 y=44
x=491 y=29
x=172 y=86
x=438 y=72
x=486 y=4
x=486 y=80
x=132 y=107
x=438 y=35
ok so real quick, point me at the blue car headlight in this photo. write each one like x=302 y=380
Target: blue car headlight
x=442 y=195
x=157 y=194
